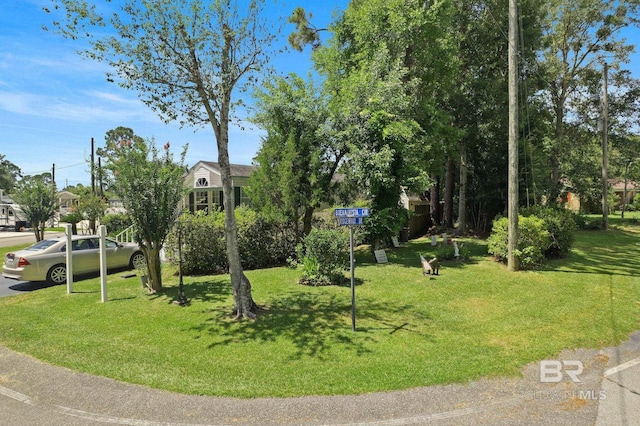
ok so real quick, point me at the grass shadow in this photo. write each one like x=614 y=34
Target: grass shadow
x=613 y=252
x=211 y=290
x=314 y=324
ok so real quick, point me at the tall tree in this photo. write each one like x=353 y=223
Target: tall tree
x=387 y=68
x=479 y=102
x=297 y=159
x=36 y=196
x=580 y=36
x=151 y=187
x=185 y=59
x=9 y=174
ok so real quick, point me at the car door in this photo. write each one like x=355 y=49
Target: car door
x=85 y=256
x=116 y=256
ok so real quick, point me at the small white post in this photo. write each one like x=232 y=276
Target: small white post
x=456 y=250
x=434 y=240
x=69 y=235
x=102 y=231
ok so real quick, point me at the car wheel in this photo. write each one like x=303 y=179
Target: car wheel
x=57 y=274
x=137 y=260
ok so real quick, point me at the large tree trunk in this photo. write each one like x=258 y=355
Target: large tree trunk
x=448 y=193
x=307 y=220
x=436 y=216
x=462 y=198
x=244 y=306
x=154 y=268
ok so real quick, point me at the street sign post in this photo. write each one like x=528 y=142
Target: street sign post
x=351 y=216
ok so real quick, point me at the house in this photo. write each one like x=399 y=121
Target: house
x=618 y=188
x=67 y=202
x=205 y=182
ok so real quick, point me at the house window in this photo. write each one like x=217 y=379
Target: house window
x=202 y=183
x=202 y=201
x=240 y=196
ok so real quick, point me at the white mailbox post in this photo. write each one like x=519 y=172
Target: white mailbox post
x=69 y=235
x=102 y=233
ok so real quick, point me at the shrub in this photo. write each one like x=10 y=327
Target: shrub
x=446 y=251
x=533 y=240
x=586 y=223
x=384 y=224
x=561 y=225
x=261 y=243
x=323 y=256
x=116 y=223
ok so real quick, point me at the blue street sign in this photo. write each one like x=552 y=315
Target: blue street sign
x=352 y=212
x=343 y=221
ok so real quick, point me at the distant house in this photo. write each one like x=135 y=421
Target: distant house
x=67 y=202
x=205 y=183
x=617 y=185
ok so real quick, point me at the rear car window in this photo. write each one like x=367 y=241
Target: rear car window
x=41 y=245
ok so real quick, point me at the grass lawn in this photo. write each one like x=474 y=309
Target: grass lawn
x=473 y=320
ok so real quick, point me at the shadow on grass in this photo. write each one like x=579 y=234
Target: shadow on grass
x=613 y=252
x=212 y=290
x=314 y=324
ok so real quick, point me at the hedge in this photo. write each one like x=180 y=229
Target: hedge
x=262 y=243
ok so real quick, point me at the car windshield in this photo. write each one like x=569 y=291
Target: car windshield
x=41 y=245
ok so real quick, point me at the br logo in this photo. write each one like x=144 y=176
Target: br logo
x=551 y=371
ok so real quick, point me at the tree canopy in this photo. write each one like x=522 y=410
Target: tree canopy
x=150 y=184
x=187 y=61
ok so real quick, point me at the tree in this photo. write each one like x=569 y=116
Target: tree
x=580 y=35
x=297 y=159
x=92 y=208
x=9 y=174
x=387 y=68
x=113 y=138
x=151 y=188
x=36 y=196
x=479 y=103
x=185 y=59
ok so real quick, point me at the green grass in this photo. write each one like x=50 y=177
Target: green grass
x=474 y=320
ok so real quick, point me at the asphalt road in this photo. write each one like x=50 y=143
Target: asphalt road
x=11 y=287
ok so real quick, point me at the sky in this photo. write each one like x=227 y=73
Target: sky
x=52 y=102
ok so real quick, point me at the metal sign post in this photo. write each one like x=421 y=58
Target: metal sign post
x=69 y=235
x=351 y=217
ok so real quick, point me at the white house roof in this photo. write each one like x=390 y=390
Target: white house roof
x=237 y=170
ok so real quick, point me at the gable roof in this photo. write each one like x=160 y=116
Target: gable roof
x=237 y=170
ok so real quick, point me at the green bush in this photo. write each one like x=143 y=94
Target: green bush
x=561 y=225
x=323 y=256
x=384 y=224
x=262 y=243
x=116 y=223
x=587 y=223
x=533 y=240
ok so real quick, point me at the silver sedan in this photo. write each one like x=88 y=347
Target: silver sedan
x=47 y=260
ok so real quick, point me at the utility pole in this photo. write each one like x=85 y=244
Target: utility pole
x=605 y=148
x=100 y=177
x=512 y=262
x=93 y=171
